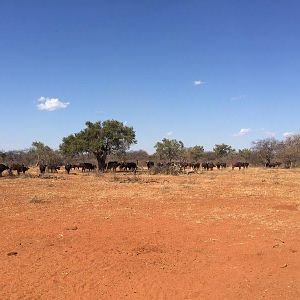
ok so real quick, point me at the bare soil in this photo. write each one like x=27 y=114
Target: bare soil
x=213 y=235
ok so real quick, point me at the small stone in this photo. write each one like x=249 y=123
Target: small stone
x=72 y=228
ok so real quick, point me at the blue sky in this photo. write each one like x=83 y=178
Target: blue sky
x=204 y=72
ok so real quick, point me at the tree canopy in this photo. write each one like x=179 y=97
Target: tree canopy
x=222 y=150
x=169 y=149
x=101 y=139
x=266 y=149
x=245 y=153
x=289 y=150
x=42 y=152
x=194 y=153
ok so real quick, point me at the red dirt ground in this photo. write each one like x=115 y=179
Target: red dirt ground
x=214 y=235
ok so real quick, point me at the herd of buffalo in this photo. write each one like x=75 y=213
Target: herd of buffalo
x=114 y=166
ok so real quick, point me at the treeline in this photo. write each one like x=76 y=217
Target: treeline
x=262 y=152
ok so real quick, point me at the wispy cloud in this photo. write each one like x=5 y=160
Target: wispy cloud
x=51 y=104
x=243 y=131
x=100 y=112
x=270 y=133
x=238 y=98
x=169 y=133
x=287 y=134
x=199 y=82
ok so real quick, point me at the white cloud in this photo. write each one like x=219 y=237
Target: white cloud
x=287 y=134
x=238 y=98
x=243 y=131
x=169 y=133
x=51 y=104
x=198 y=82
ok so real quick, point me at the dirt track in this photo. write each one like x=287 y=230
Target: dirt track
x=216 y=235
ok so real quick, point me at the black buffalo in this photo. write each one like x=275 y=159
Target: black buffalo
x=195 y=166
x=128 y=166
x=42 y=168
x=150 y=164
x=208 y=166
x=75 y=166
x=3 y=168
x=221 y=165
x=273 y=165
x=240 y=165
x=68 y=168
x=87 y=166
x=19 y=168
x=112 y=166
x=53 y=168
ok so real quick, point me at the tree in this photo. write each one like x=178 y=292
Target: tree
x=137 y=155
x=266 y=149
x=100 y=139
x=42 y=152
x=222 y=150
x=194 y=153
x=2 y=155
x=169 y=149
x=245 y=153
x=289 y=151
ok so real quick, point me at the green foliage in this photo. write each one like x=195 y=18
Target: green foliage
x=169 y=149
x=222 y=150
x=100 y=139
x=2 y=155
x=245 y=153
x=44 y=154
x=194 y=153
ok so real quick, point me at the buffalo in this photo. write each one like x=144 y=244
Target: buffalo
x=19 y=168
x=112 y=165
x=75 y=166
x=68 y=168
x=86 y=166
x=273 y=165
x=208 y=166
x=195 y=166
x=128 y=166
x=221 y=165
x=150 y=164
x=42 y=168
x=240 y=165
x=53 y=168
x=3 y=168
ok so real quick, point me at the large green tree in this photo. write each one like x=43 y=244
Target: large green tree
x=169 y=149
x=101 y=139
x=222 y=150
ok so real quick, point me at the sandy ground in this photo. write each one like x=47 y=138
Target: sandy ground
x=214 y=235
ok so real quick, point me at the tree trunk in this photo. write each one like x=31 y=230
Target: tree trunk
x=101 y=162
